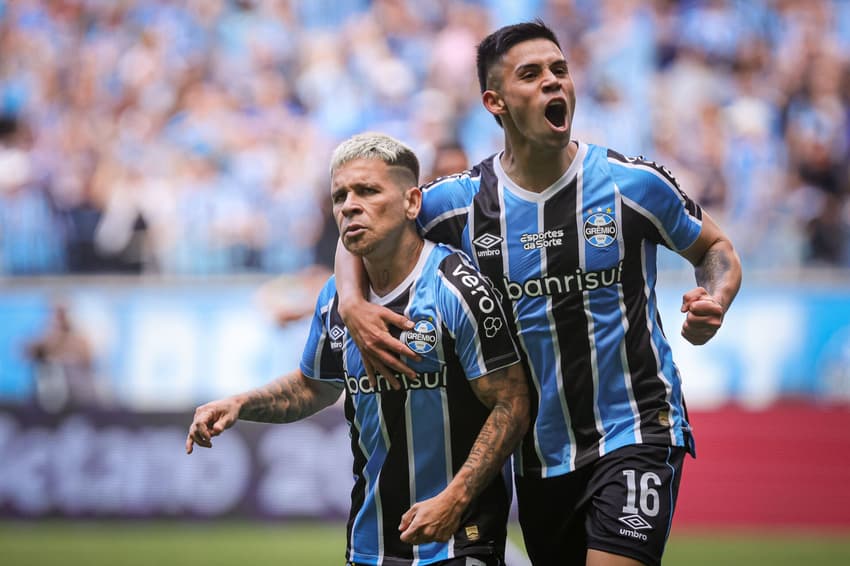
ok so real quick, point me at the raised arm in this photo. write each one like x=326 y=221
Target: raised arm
x=368 y=323
x=505 y=393
x=717 y=269
x=286 y=399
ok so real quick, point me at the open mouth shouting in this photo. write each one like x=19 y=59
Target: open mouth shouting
x=556 y=114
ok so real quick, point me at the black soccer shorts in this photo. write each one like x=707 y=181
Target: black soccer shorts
x=463 y=561
x=623 y=504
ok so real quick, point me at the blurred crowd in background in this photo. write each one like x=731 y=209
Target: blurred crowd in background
x=193 y=136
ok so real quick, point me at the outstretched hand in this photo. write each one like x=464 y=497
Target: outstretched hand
x=704 y=316
x=211 y=420
x=369 y=328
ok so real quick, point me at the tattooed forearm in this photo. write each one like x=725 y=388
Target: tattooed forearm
x=713 y=269
x=500 y=434
x=288 y=399
x=502 y=431
x=719 y=272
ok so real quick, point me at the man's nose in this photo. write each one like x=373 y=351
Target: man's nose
x=351 y=205
x=551 y=81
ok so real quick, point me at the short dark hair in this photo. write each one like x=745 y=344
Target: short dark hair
x=494 y=46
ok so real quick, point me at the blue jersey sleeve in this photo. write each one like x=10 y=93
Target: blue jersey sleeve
x=320 y=360
x=472 y=312
x=445 y=205
x=652 y=190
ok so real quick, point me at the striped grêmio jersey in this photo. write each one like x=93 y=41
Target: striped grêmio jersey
x=409 y=443
x=578 y=263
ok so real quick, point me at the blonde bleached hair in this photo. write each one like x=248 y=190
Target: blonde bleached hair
x=373 y=145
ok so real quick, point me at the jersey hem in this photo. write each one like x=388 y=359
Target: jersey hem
x=563 y=469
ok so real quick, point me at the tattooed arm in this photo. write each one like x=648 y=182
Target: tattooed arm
x=718 y=274
x=284 y=400
x=506 y=394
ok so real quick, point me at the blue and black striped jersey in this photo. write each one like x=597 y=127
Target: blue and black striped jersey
x=578 y=262
x=409 y=443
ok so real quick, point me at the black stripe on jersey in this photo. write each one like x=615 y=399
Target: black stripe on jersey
x=330 y=361
x=572 y=329
x=497 y=348
x=450 y=229
x=394 y=484
x=358 y=491
x=488 y=512
x=649 y=391
x=691 y=206
x=469 y=172
x=486 y=219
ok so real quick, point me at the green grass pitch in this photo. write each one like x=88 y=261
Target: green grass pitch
x=317 y=544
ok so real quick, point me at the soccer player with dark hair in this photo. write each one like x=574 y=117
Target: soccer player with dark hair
x=569 y=232
x=429 y=453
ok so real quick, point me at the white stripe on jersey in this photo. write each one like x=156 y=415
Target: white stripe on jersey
x=379 y=512
x=624 y=357
x=556 y=345
x=323 y=337
x=591 y=330
x=448 y=214
x=411 y=465
x=535 y=379
x=479 y=356
x=408 y=414
x=447 y=441
x=652 y=218
x=650 y=325
x=654 y=171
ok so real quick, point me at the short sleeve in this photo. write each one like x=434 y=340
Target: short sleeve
x=445 y=207
x=322 y=356
x=472 y=312
x=653 y=191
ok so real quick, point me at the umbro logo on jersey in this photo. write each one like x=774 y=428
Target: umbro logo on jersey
x=336 y=332
x=485 y=243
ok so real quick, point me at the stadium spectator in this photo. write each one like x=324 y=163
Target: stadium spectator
x=570 y=231
x=154 y=84
x=63 y=363
x=429 y=451
x=449 y=158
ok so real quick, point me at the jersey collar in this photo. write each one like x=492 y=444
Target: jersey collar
x=532 y=196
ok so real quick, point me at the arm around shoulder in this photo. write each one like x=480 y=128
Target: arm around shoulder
x=368 y=323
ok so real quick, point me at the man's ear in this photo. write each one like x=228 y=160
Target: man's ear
x=493 y=102
x=412 y=202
